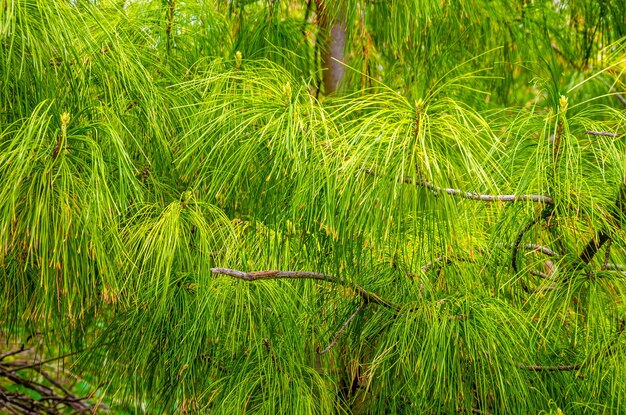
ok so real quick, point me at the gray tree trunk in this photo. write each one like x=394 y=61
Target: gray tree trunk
x=332 y=29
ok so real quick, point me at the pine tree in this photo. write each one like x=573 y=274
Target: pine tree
x=330 y=206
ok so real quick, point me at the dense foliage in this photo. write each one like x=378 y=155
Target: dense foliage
x=185 y=207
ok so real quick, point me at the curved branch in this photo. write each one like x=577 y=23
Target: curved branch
x=516 y=245
x=547 y=200
x=367 y=296
x=342 y=329
x=594 y=245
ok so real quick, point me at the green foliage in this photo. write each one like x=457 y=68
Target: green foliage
x=454 y=211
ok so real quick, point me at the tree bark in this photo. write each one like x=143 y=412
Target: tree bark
x=332 y=32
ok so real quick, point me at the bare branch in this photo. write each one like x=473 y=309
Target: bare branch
x=369 y=297
x=474 y=196
x=614 y=267
x=603 y=133
x=49 y=401
x=539 y=274
x=342 y=329
x=484 y=198
x=539 y=248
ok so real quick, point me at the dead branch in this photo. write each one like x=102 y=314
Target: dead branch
x=54 y=398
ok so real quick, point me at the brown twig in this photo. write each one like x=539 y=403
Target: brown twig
x=367 y=296
x=342 y=329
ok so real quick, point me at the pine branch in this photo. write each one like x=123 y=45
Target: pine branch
x=342 y=329
x=367 y=296
x=594 y=245
x=76 y=404
x=539 y=274
x=484 y=198
x=603 y=133
x=540 y=248
x=518 y=240
x=474 y=196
